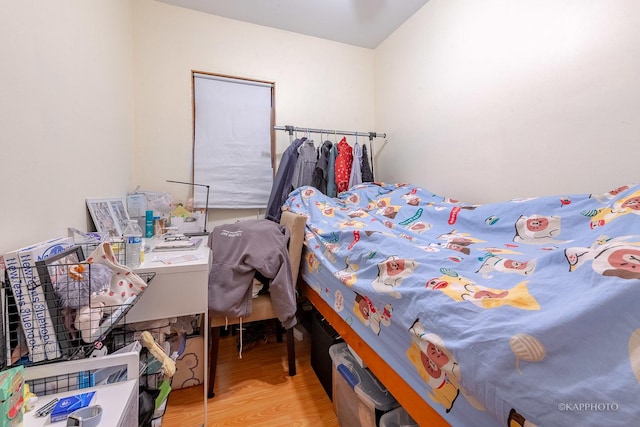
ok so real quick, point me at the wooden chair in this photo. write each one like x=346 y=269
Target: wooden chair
x=262 y=309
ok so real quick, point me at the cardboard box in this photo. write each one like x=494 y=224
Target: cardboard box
x=189 y=366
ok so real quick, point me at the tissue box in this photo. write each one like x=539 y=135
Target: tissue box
x=11 y=400
x=70 y=404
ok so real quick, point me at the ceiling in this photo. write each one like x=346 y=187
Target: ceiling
x=364 y=23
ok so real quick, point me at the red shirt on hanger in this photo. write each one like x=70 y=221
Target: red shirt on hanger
x=344 y=160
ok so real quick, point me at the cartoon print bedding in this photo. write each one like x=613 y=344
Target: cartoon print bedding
x=525 y=312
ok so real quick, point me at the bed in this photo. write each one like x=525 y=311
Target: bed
x=521 y=313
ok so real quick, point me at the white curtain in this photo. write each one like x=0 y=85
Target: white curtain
x=232 y=142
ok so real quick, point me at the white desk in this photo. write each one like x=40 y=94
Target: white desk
x=176 y=290
x=119 y=401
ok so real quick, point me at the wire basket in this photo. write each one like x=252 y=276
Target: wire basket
x=48 y=314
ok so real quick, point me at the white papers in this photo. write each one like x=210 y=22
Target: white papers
x=178 y=245
x=179 y=259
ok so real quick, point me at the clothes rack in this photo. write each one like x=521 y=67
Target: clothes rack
x=292 y=129
x=371 y=135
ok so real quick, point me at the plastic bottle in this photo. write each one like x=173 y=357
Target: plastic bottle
x=148 y=224
x=132 y=244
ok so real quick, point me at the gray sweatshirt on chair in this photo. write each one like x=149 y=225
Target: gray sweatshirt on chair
x=238 y=251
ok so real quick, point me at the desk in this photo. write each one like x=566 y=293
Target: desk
x=177 y=290
x=119 y=401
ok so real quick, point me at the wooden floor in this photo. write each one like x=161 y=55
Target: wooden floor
x=256 y=391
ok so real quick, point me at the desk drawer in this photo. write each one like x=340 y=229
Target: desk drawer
x=172 y=295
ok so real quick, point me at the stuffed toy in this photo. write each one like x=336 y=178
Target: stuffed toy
x=74 y=288
x=124 y=282
x=160 y=329
x=30 y=398
x=168 y=364
x=88 y=320
x=73 y=285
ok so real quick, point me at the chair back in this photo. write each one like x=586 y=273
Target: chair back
x=296 y=224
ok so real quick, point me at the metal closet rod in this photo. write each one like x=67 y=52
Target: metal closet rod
x=292 y=129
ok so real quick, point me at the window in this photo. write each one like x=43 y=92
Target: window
x=233 y=141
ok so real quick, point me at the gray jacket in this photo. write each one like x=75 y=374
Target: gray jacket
x=305 y=165
x=238 y=251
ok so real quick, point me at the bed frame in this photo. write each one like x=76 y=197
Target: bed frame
x=410 y=400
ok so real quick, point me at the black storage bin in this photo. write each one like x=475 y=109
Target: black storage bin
x=323 y=336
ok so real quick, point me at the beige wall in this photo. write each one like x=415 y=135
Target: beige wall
x=481 y=100
x=319 y=84
x=71 y=71
x=66 y=113
x=485 y=101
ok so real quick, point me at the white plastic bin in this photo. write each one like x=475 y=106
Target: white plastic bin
x=359 y=399
x=397 y=417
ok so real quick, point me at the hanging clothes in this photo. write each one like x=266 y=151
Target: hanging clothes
x=344 y=161
x=320 y=173
x=282 y=185
x=305 y=165
x=367 y=173
x=331 y=172
x=355 y=177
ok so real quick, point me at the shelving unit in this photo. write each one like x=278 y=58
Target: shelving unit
x=119 y=400
x=177 y=290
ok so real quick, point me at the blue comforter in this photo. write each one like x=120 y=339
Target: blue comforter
x=525 y=312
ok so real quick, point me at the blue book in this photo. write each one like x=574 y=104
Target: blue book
x=70 y=404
